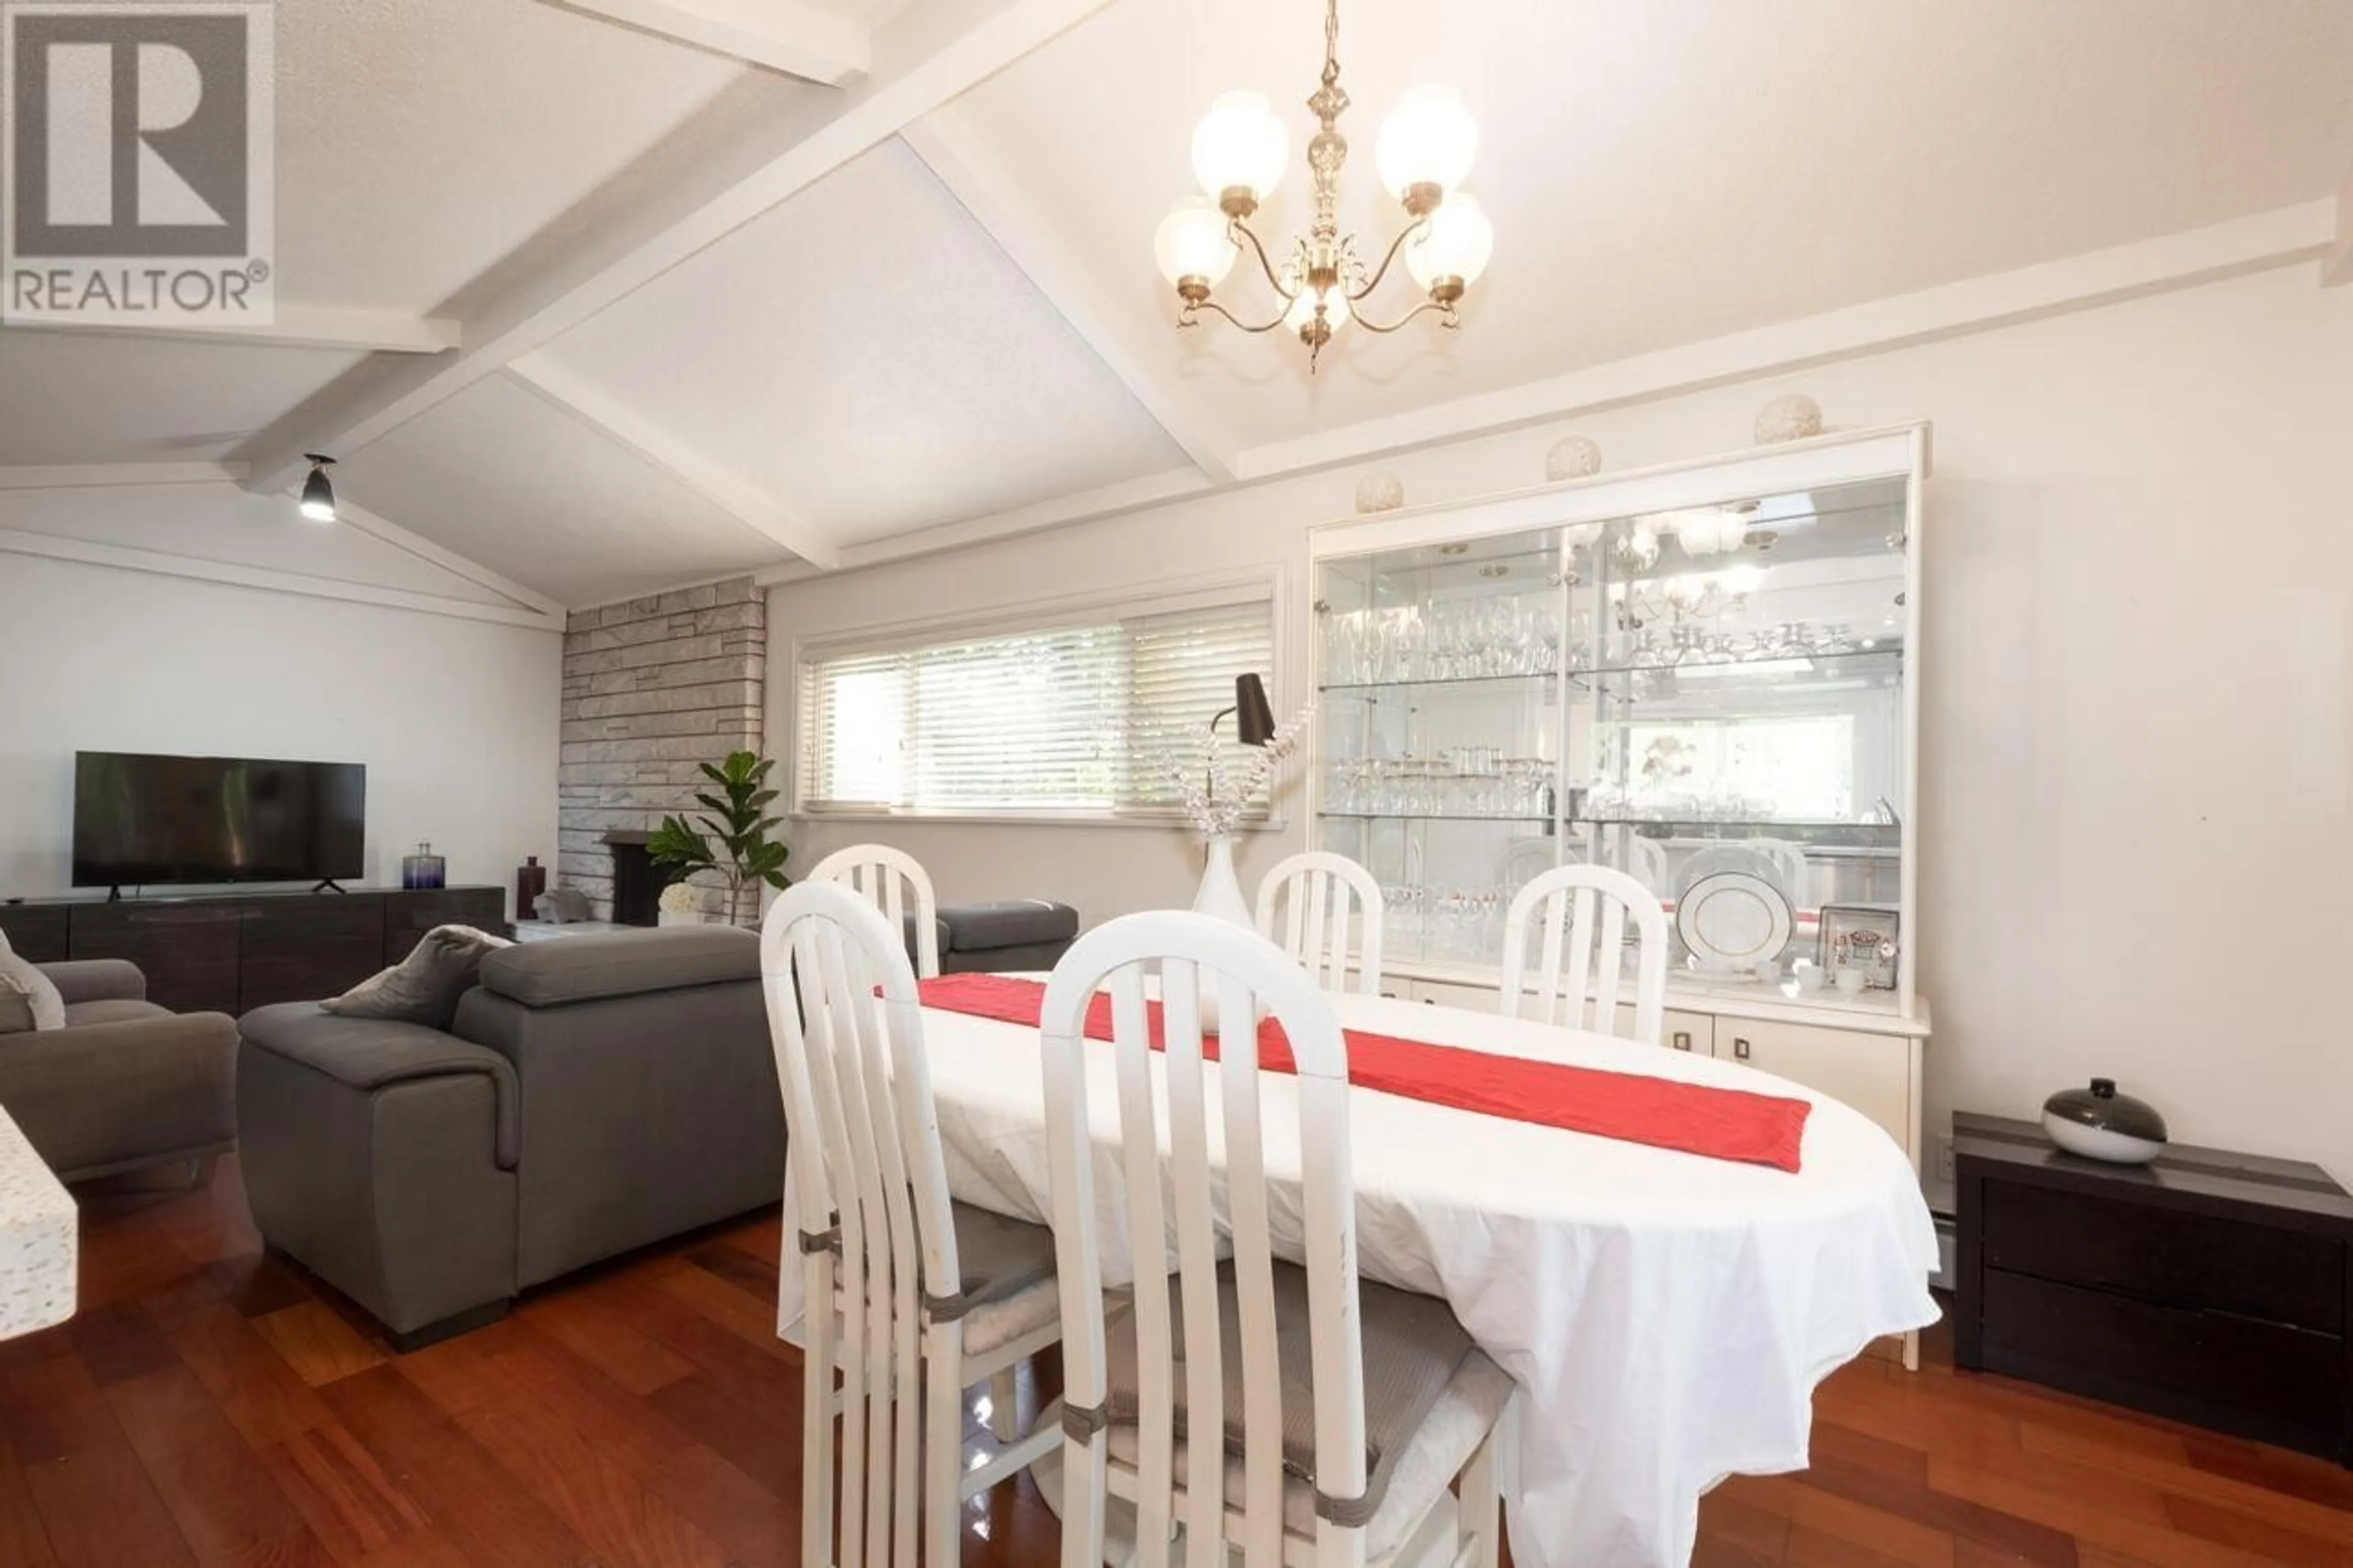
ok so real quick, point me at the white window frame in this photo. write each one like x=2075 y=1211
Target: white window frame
x=1268 y=584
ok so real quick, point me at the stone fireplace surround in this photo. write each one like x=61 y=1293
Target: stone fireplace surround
x=652 y=689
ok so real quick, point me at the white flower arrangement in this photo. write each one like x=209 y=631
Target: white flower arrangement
x=681 y=898
x=1214 y=788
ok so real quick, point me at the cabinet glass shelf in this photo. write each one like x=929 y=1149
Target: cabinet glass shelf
x=1345 y=688
x=1871 y=832
x=1436 y=817
x=1790 y=668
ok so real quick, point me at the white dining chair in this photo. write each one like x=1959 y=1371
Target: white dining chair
x=1322 y=1420
x=892 y=879
x=903 y=1287
x=1302 y=907
x=1582 y=912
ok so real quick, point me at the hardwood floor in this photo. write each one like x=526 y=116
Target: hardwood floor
x=213 y=1406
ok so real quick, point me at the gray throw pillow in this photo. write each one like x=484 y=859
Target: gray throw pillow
x=424 y=987
x=28 y=998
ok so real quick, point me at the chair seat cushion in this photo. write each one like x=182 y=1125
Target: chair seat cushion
x=1413 y=1348
x=118 y=1010
x=996 y=1259
x=1419 y=1478
x=1006 y=1268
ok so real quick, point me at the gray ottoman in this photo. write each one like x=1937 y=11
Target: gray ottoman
x=1005 y=936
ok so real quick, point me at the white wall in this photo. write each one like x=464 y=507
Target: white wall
x=455 y=719
x=2137 y=773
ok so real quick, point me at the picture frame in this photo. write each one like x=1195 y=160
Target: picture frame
x=1865 y=937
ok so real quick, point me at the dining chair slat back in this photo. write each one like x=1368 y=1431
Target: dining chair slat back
x=1249 y=975
x=876 y=1235
x=894 y=881
x=1580 y=912
x=1304 y=908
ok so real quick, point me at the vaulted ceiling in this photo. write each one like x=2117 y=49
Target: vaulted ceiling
x=598 y=298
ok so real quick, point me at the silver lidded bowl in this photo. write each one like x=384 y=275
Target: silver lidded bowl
x=2101 y=1124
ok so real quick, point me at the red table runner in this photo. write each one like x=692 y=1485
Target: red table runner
x=1692 y=1118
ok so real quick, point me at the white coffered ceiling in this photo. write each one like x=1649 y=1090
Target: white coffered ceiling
x=713 y=316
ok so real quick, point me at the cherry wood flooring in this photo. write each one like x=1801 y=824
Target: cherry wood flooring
x=213 y=1406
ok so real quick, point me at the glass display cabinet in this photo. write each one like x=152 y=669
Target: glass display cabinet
x=1700 y=675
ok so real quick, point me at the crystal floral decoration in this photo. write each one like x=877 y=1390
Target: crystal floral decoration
x=1239 y=150
x=1212 y=786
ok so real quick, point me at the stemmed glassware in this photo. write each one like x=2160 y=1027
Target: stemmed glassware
x=1480 y=639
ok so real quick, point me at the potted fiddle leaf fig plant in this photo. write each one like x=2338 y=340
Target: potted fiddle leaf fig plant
x=731 y=841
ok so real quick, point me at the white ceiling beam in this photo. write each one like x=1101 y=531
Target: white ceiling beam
x=1087 y=506
x=295 y=327
x=109 y=476
x=608 y=417
x=432 y=555
x=946 y=140
x=163 y=564
x=2285 y=236
x=2336 y=266
x=783 y=35
x=937 y=69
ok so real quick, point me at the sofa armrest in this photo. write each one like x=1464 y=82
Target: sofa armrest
x=97 y=980
x=368 y=1054
x=107 y=1096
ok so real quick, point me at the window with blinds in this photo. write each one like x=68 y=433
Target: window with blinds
x=1067 y=720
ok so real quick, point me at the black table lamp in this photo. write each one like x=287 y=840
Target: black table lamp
x=1253 y=719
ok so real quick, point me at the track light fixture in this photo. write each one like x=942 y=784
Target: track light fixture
x=318 y=495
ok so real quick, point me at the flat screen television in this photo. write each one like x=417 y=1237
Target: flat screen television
x=143 y=820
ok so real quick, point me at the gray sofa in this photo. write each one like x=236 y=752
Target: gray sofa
x=595 y=1093
x=125 y=1084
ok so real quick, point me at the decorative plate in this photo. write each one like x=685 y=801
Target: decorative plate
x=1735 y=918
x=1718 y=858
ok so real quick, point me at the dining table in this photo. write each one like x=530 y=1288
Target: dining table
x=40 y=1237
x=1666 y=1314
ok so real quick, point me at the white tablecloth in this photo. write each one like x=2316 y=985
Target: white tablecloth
x=40 y=1232
x=1666 y=1315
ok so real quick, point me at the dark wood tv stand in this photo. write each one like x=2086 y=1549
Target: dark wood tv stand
x=229 y=952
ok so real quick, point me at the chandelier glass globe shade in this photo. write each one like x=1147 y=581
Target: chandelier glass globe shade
x=1239 y=142
x=1459 y=244
x=1193 y=242
x=1428 y=138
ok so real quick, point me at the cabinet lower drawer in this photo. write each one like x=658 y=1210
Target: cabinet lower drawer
x=2263 y=1380
x=2183 y=1260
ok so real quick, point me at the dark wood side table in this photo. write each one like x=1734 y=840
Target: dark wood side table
x=2212 y=1288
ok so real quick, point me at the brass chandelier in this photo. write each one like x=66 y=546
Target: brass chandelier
x=1238 y=152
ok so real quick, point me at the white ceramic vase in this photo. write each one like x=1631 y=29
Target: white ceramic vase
x=1221 y=895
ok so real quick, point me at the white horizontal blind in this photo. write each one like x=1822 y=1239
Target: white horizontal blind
x=1067 y=720
x=1180 y=675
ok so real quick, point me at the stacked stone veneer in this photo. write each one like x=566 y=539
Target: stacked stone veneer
x=652 y=689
